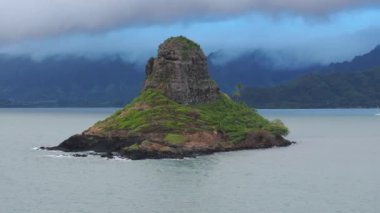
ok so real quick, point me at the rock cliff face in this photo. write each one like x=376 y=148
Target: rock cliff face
x=180 y=113
x=180 y=71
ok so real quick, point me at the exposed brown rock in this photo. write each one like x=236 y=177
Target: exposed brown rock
x=180 y=70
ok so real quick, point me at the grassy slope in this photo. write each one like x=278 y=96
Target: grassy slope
x=154 y=112
x=188 y=44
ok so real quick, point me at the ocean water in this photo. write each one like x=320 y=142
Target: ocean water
x=332 y=168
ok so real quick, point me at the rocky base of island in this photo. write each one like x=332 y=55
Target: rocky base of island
x=137 y=148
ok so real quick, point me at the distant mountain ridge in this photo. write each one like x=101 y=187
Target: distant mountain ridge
x=254 y=68
x=75 y=81
x=67 y=81
x=357 y=64
x=341 y=85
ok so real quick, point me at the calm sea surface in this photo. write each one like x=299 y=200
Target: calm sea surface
x=333 y=168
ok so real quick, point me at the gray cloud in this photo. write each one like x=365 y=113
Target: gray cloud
x=20 y=19
x=323 y=50
x=138 y=45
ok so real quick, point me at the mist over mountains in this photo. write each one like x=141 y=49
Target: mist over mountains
x=256 y=68
x=349 y=84
x=76 y=81
x=62 y=81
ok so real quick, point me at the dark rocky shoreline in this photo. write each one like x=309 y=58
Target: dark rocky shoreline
x=113 y=146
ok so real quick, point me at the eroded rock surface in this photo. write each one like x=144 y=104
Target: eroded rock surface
x=180 y=71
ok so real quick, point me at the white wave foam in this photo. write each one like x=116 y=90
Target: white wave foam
x=59 y=156
x=120 y=159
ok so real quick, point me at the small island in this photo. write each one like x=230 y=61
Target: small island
x=180 y=113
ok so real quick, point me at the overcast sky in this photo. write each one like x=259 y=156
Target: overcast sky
x=302 y=31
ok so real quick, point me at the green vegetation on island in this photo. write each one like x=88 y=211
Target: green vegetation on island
x=188 y=44
x=153 y=111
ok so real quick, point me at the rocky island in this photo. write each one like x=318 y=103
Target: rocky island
x=180 y=113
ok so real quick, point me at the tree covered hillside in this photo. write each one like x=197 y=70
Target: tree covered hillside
x=336 y=90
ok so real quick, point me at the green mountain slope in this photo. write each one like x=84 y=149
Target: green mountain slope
x=336 y=90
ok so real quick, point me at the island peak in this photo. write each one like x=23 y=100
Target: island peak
x=180 y=72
